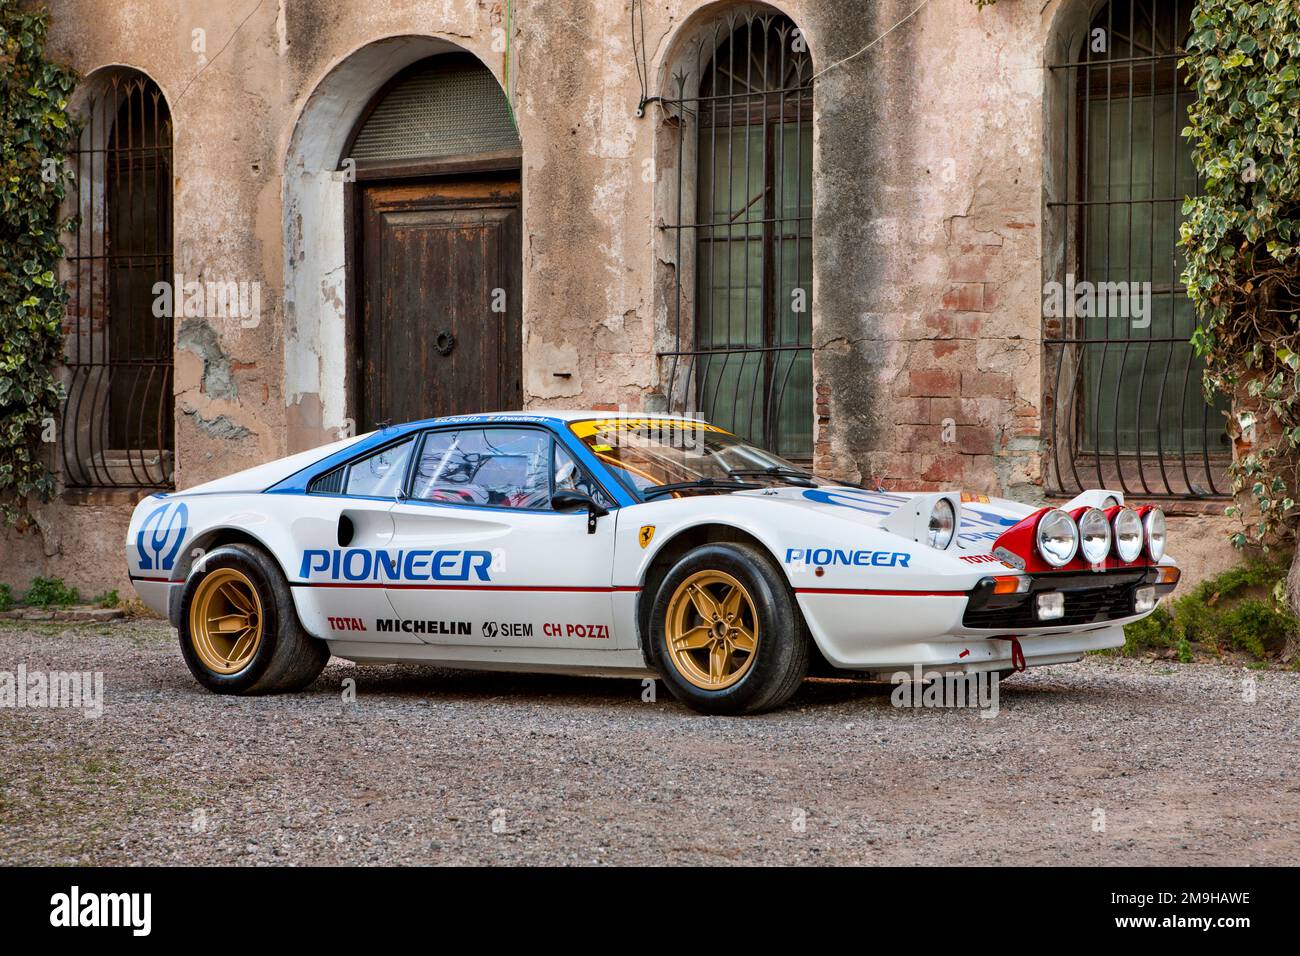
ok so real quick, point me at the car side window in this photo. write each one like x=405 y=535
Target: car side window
x=494 y=467
x=569 y=476
x=380 y=475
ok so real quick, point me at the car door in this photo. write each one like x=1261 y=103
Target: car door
x=343 y=526
x=485 y=558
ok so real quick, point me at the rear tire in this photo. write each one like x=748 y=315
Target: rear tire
x=239 y=631
x=725 y=631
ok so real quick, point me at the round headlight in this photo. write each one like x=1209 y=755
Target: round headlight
x=1057 y=538
x=1128 y=534
x=943 y=522
x=1154 y=523
x=1094 y=536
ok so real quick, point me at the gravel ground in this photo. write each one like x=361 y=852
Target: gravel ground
x=1104 y=762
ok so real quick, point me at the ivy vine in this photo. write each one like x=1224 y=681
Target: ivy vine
x=1242 y=240
x=35 y=135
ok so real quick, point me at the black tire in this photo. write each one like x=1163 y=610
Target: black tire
x=287 y=658
x=781 y=655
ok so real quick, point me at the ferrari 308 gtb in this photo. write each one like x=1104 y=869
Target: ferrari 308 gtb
x=664 y=546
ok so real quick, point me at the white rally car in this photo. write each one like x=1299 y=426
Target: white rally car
x=592 y=543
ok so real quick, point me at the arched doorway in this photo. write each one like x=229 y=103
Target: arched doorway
x=435 y=258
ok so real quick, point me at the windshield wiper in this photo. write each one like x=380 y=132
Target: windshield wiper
x=791 y=475
x=703 y=484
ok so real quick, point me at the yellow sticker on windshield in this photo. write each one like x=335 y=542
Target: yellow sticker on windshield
x=602 y=447
x=592 y=426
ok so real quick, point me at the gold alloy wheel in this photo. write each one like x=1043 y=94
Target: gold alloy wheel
x=711 y=630
x=226 y=621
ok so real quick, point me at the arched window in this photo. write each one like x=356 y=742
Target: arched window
x=118 y=417
x=742 y=329
x=1125 y=407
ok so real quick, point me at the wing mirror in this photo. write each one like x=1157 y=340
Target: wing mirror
x=577 y=501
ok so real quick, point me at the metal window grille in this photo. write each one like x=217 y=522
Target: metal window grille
x=742 y=329
x=1124 y=404
x=118 y=417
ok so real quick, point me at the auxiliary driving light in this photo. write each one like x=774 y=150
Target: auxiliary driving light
x=1057 y=538
x=1144 y=599
x=1094 y=536
x=1050 y=605
x=1154 y=523
x=1128 y=535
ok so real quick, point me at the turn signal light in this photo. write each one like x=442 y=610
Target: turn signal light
x=1168 y=574
x=1010 y=584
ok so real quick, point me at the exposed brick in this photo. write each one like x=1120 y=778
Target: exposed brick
x=975 y=440
x=992 y=296
x=940 y=325
x=919 y=439
x=987 y=385
x=980 y=475
x=942 y=348
x=889 y=467
x=932 y=382
x=947 y=409
x=945 y=468
x=911 y=411
x=971 y=268
x=968 y=325
x=975 y=411
x=964 y=297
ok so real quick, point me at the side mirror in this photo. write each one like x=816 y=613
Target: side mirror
x=577 y=501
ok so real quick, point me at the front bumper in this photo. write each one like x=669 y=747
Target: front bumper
x=967 y=631
x=1090 y=599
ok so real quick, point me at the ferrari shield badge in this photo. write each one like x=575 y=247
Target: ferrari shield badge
x=647 y=534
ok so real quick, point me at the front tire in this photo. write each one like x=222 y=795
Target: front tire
x=725 y=632
x=239 y=631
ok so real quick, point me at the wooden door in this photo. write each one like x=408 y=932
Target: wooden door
x=440 y=318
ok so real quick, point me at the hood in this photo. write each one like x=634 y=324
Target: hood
x=982 y=520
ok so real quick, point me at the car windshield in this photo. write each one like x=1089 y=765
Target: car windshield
x=647 y=453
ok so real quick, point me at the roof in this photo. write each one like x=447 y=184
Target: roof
x=557 y=415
